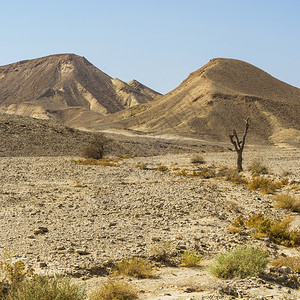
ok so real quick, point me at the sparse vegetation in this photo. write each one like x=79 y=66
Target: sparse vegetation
x=20 y=283
x=277 y=231
x=163 y=252
x=140 y=165
x=239 y=180
x=162 y=168
x=97 y=147
x=293 y=262
x=238 y=222
x=115 y=290
x=265 y=185
x=287 y=201
x=98 y=162
x=239 y=262
x=190 y=259
x=135 y=267
x=256 y=167
x=227 y=173
x=44 y=288
x=197 y=159
x=205 y=173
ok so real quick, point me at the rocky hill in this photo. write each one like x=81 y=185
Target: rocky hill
x=66 y=88
x=217 y=98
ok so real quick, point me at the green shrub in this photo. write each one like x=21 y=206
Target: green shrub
x=44 y=288
x=135 y=267
x=114 y=290
x=239 y=262
x=287 y=201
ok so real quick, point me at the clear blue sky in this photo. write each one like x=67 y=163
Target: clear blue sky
x=158 y=42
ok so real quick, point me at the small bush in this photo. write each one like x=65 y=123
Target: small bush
x=140 y=165
x=292 y=262
x=287 y=201
x=182 y=172
x=234 y=230
x=256 y=167
x=239 y=180
x=265 y=185
x=238 y=222
x=228 y=173
x=239 y=262
x=205 y=173
x=197 y=159
x=163 y=252
x=277 y=231
x=254 y=220
x=280 y=233
x=135 y=267
x=97 y=147
x=162 y=168
x=115 y=290
x=45 y=288
x=190 y=259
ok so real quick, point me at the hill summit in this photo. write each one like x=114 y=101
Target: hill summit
x=217 y=98
x=65 y=88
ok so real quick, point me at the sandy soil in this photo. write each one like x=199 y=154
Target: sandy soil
x=59 y=216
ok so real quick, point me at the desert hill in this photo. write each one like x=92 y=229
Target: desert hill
x=66 y=88
x=215 y=99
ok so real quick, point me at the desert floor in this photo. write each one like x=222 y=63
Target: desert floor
x=59 y=216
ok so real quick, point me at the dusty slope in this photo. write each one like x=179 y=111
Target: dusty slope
x=64 y=85
x=25 y=136
x=215 y=99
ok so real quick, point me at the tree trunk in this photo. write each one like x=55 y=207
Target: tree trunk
x=239 y=145
x=239 y=161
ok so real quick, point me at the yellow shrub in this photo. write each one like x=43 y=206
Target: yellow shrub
x=115 y=290
x=135 y=267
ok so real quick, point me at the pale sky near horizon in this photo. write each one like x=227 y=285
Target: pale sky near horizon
x=157 y=42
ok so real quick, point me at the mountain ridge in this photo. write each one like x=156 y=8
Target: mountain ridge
x=46 y=86
x=216 y=98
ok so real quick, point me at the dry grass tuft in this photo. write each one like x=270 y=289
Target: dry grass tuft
x=115 y=290
x=98 y=162
x=256 y=167
x=135 y=267
x=190 y=259
x=287 y=201
x=162 y=168
x=277 y=231
x=265 y=185
x=141 y=166
x=292 y=262
x=197 y=159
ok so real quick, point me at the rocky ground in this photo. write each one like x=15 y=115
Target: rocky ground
x=59 y=216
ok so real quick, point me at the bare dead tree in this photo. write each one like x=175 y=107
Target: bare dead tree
x=239 y=145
